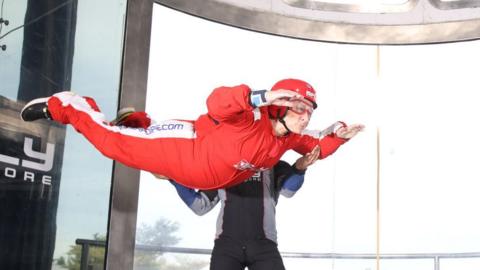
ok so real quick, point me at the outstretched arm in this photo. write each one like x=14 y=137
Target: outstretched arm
x=200 y=202
x=292 y=182
x=329 y=139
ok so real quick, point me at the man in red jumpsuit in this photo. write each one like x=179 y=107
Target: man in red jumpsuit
x=243 y=132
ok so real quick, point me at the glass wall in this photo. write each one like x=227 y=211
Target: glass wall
x=418 y=105
x=51 y=47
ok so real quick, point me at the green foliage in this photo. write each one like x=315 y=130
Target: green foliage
x=162 y=233
x=72 y=260
x=159 y=234
x=182 y=262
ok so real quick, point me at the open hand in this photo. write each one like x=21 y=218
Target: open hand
x=308 y=159
x=348 y=132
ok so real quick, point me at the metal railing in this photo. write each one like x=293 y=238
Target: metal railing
x=85 y=243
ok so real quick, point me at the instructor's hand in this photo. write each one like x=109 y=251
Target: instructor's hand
x=308 y=159
x=349 y=131
x=159 y=176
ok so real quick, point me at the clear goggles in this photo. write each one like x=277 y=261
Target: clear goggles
x=301 y=106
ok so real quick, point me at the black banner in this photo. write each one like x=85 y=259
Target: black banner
x=30 y=169
x=48 y=48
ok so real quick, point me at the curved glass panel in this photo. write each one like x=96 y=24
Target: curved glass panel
x=418 y=102
x=359 y=2
x=414 y=22
x=455 y=4
x=347 y=6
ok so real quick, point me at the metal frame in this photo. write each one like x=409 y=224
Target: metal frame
x=133 y=86
x=371 y=8
x=445 y=5
x=271 y=22
x=125 y=182
x=380 y=8
x=86 y=244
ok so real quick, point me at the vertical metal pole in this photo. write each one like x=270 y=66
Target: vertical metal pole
x=378 y=174
x=125 y=186
x=437 y=262
x=84 y=256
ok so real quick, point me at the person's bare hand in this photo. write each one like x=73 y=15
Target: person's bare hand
x=282 y=97
x=348 y=132
x=308 y=159
x=159 y=176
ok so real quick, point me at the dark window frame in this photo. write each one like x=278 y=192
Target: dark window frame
x=126 y=181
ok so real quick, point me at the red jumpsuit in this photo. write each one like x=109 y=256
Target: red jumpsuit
x=218 y=150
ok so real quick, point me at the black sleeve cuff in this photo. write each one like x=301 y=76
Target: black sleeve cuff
x=257 y=98
x=297 y=171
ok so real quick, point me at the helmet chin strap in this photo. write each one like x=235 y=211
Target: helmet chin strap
x=282 y=120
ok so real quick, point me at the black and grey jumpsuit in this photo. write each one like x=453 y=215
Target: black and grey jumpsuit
x=246 y=233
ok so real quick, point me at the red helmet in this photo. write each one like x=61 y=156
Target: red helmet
x=299 y=86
